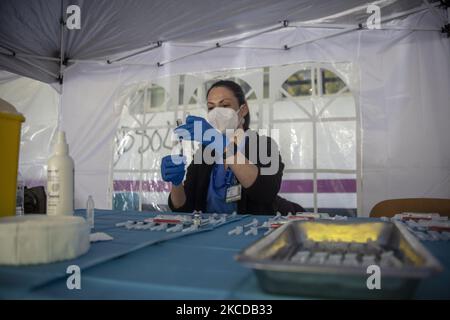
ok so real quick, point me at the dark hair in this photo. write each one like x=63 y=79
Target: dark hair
x=238 y=93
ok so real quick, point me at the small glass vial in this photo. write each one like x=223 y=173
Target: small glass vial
x=178 y=143
x=20 y=195
x=90 y=211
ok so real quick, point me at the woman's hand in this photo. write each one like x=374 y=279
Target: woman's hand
x=173 y=169
x=200 y=130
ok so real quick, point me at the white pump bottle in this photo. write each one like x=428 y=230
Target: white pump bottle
x=60 y=179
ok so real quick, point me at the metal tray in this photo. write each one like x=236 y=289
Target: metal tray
x=277 y=259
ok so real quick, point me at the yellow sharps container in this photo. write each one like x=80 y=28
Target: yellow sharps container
x=10 y=126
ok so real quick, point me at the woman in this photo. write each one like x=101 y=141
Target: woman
x=240 y=178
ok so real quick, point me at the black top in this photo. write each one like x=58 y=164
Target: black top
x=260 y=198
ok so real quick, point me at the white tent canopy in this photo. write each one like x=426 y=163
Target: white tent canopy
x=398 y=75
x=35 y=43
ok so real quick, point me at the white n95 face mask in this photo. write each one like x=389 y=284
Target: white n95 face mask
x=223 y=118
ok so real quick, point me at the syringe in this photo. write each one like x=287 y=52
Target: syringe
x=180 y=139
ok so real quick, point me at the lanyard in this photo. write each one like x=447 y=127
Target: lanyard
x=228 y=178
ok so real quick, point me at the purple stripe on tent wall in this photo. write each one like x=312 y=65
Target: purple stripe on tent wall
x=323 y=186
x=287 y=186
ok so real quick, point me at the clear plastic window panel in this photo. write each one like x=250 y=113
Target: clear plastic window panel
x=310 y=106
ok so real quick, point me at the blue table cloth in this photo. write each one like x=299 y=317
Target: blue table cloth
x=141 y=264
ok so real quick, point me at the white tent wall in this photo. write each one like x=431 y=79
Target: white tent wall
x=90 y=122
x=405 y=120
x=403 y=95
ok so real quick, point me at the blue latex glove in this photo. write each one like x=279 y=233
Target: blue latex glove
x=172 y=169
x=200 y=130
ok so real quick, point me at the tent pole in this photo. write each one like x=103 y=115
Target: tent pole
x=86 y=61
x=62 y=23
x=218 y=45
x=8 y=52
x=434 y=11
x=39 y=67
x=345 y=29
x=344 y=26
x=20 y=57
x=12 y=53
x=319 y=25
x=360 y=27
x=334 y=34
x=409 y=29
x=407 y=13
x=181 y=44
x=338 y=33
x=383 y=28
x=26 y=55
x=152 y=47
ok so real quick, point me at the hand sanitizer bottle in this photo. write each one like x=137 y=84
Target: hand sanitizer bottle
x=60 y=179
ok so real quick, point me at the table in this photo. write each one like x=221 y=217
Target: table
x=157 y=265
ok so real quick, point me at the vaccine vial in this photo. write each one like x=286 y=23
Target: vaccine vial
x=20 y=195
x=90 y=211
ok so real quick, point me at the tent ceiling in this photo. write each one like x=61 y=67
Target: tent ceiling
x=110 y=27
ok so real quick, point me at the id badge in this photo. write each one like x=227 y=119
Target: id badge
x=233 y=193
